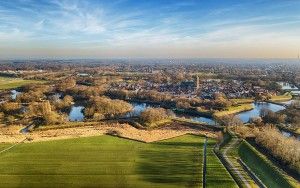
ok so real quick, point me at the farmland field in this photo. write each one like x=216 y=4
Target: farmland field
x=9 y=83
x=104 y=161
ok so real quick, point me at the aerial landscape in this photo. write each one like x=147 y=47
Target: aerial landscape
x=149 y=93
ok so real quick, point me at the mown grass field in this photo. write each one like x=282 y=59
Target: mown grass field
x=9 y=83
x=234 y=110
x=217 y=175
x=104 y=161
x=285 y=97
x=266 y=172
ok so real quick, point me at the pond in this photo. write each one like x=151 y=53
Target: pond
x=138 y=108
x=288 y=134
x=14 y=94
x=245 y=116
x=76 y=113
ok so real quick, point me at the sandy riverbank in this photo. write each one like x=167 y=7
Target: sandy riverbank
x=11 y=134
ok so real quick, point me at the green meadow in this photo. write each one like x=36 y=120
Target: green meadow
x=9 y=83
x=107 y=161
x=263 y=168
x=104 y=161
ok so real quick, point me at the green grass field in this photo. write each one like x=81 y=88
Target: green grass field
x=285 y=97
x=104 y=161
x=9 y=83
x=217 y=175
x=234 y=110
x=266 y=172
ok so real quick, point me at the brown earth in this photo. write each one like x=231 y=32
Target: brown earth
x=11 y=134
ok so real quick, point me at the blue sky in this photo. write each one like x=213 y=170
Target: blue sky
x=149 y=28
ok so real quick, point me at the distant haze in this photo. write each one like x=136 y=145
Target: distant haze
x=149 y=29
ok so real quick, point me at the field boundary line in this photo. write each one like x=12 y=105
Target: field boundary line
x=204 y=164
x=12 y=146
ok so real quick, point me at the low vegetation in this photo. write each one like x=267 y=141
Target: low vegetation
x=154 y=116
x=103 y=107
x=279 y=98
x=262 y=168
x=285 y=149
x=10 y=83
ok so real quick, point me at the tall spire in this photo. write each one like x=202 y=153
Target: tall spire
x=197 y=82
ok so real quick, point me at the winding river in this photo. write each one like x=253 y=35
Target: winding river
x=244 y=116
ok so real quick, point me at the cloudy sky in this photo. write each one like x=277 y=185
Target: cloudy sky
x=149 y=28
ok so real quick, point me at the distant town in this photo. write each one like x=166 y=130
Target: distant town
x=117 y=102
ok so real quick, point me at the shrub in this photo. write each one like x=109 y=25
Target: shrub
x=151 y=115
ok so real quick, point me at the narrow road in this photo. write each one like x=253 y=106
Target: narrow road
x=233 y=144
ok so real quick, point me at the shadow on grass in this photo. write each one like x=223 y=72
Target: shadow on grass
x=177 y=163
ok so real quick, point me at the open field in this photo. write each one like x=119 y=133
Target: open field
x=242 y=101
x=280 y=98
x=217 y=175
x=234 y=110
x=106 y=161
x=9 y=83
x=263 y=168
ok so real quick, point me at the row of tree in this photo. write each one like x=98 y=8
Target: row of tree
x=285 y=149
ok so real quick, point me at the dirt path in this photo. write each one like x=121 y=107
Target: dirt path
x=237 y=170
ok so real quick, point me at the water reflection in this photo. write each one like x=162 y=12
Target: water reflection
x=76 y=113
x=14 y=94
x=138 y=108
x=288 y=134
x=245 y=116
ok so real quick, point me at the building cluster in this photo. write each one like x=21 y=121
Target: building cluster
x=204 y=89
x=231 y=89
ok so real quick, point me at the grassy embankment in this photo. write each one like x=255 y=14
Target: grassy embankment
x=229 y=150
x=242 y=101
x=234 y=110
x=70 y=124
x=270 y=175
x=9 y=83
x=281 y=98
